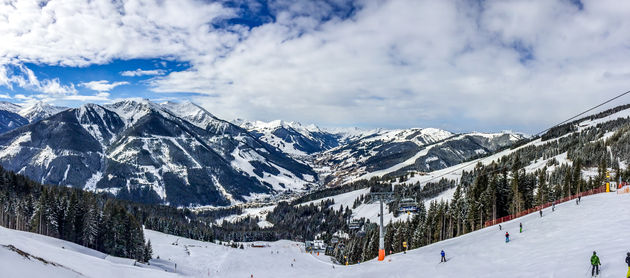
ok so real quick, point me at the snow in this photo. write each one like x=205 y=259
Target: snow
x=194 y=114
x=64 y=259
x=265 y=224
x=260 y=212
x=15 y=146
x=10 y=106
x=557 y=245
x=44 y=157
x=90 y=184
x=39 y=110
x=133 y=109
x=568 y=235
x=65 y=174
x=267 y=129
x=244 y=157
x=345 y=199
x=365 y=210
x=221 y=189
x=589 y=123
x=398 y=166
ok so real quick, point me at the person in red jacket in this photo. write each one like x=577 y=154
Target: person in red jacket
x=507 y=237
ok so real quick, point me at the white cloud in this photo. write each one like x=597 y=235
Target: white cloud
x=141 y=72
x=102 y=85
x=102 y=97
x=22 y=76
x=461 y=65
x=86 y=32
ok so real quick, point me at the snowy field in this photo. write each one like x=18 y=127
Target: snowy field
x=42 y=256
x=371 y=210
x=556 y=245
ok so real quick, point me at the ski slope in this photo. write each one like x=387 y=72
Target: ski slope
x=24 y=254
x=557 y=245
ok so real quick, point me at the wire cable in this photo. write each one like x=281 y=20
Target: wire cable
x=536 y=135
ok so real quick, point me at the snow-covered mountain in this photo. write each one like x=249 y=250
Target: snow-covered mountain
x=292 y=137
x=392 y=152
x=39 y=110
x=10 y=106
x=346 y=154
x=10 y=120
x=140 y=150
x=13 y=115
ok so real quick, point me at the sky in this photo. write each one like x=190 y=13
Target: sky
x=477 y=65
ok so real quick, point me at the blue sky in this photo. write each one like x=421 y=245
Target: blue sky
x=458 y=65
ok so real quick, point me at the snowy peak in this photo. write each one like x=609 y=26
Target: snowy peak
x=40 y=110
x=132 y=110
x=197 y=116
x=10 y=106
x=276 y=124
x=101 y=123
x=9 y=117
x=396 y=152
x=292 y=138
x=420 y=136
x=143 y=151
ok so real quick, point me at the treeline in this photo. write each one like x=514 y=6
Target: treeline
x=88 y=219
x=495 y=192
x=501 y=188
x=304 y=222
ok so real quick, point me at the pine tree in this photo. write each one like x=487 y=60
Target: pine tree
x=148 y=252
x=542 y=194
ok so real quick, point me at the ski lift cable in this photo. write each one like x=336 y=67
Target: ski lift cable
x=536 y=135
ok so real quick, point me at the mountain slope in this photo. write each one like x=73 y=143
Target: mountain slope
x=39 y=110
x=291 y=137
x=398 y=152
x=142 y=151
x=569 y=234
x=10 y=120
x=24 y=254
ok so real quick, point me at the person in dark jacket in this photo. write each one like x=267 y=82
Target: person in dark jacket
x=521 y=226
x=443 y=260
x=628 y=262
x=595 y=263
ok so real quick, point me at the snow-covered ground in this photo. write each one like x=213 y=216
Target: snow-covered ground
x=260 y=212
x=371 y=210
x=24 y=254
x=557 y=245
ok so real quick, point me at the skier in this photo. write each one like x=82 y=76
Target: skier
x=499 y=227
x=595 y=264
x=540 y=211
x=507 y=237
x=577 y=201
x=553 y=206
x=443 y=260
x=628 y=262
x=580 y=199
x=521 y=226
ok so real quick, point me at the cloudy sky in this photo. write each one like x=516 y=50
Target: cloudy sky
x=458 y=65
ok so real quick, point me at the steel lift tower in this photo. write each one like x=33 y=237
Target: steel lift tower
x=382 y=198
